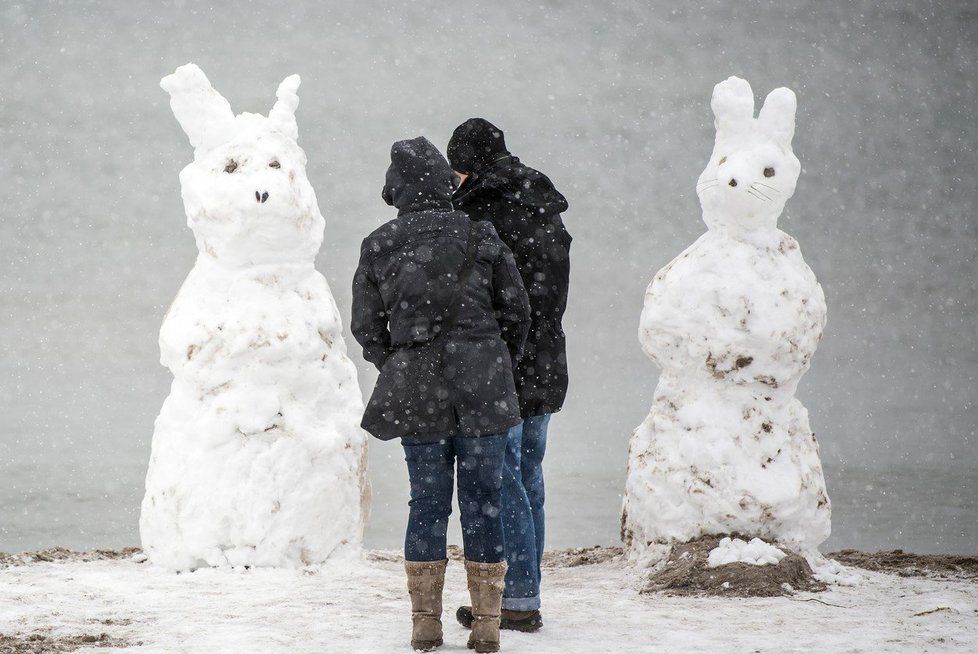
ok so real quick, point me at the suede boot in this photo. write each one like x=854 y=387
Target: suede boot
x=486 y=584
x=426 y=581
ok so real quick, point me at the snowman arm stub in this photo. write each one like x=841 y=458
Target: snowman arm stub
x=183 y=338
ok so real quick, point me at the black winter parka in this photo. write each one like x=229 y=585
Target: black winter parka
x=402 y=289
x=525 y=209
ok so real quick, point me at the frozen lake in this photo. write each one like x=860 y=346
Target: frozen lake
x=921 y=510
x=609 y=99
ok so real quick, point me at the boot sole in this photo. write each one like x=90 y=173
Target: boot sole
x=464 y=618
x=482 y=647
x=426 y=645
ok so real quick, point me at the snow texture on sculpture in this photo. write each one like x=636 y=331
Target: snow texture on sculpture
x=733 y=322
x=257 y=458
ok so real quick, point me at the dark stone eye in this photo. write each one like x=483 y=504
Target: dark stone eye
x=769 y=172
x=723 y=160
x=231 y=167
x=275 y=164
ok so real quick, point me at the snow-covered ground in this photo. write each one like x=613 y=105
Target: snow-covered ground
x=362 y=606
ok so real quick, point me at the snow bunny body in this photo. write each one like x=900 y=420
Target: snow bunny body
x=258 y=457
x=733 y=322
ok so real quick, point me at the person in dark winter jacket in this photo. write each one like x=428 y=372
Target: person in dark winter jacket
x=525 y=208
x=440 y=309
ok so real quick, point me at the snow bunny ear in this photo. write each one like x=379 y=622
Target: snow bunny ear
x=777 y=116
x=733 y=105
x=202 y=112
x=282 y=115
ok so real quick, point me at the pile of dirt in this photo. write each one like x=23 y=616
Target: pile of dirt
x=687 y=572
x=61 y=554
x=907 y=564
x=392 y=556
x=575 y=556
x=38 y=643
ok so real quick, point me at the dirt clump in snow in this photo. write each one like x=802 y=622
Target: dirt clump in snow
x=384 y=555
x=64 y=555
x=908 y=564
x=575 y=556
x=37 y=643
x=687 y=572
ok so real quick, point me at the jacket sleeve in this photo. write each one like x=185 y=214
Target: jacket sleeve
x=369 y=325
x=510 y=302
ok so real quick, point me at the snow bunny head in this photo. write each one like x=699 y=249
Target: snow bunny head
x=753 y=171
x=246 y=194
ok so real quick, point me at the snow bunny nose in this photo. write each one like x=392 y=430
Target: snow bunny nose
x=732 y=182
x=261 y=197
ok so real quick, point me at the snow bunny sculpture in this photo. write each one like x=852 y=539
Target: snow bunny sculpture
x=258 y=457
x=733 y=322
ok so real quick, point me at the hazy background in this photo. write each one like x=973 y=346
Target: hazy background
x=611 y=100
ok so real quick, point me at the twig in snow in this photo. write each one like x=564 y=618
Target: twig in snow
x=813 y=599
x=939 y=608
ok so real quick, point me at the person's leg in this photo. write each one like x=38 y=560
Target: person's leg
x=431 y=469
x=480 y=478
x=522 y=576
x=534 y=446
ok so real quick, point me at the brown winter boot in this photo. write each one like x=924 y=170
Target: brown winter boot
x=486 y=584
x=426 y=580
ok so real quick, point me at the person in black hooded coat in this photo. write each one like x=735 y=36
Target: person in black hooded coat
x=525 y=208
x=446 y=382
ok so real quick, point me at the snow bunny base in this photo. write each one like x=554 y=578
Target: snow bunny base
x=258 y=458
x=733 y=322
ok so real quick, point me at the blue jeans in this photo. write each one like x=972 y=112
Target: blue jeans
x=523 y=519
x=431 y=468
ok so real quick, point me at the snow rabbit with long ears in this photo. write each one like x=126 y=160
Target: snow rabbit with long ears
x=258 y=457
x=733 y=322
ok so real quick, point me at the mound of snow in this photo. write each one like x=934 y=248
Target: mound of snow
x=735 y=550
x=830 y=571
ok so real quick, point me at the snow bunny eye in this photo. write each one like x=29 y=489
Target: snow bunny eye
x=231 y=166
x=274 y=164
x=769 y=172
x=723 y=160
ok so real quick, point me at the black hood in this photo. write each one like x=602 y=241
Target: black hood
x=475 y=145
x=514 y=182
x=419 y=178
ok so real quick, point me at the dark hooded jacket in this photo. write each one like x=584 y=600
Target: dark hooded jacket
x=525 y=209
x=404 y=284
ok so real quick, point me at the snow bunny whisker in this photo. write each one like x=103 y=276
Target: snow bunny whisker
x=758 y=195
x=733 y=322
x=258 y=457
x=753 y=187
